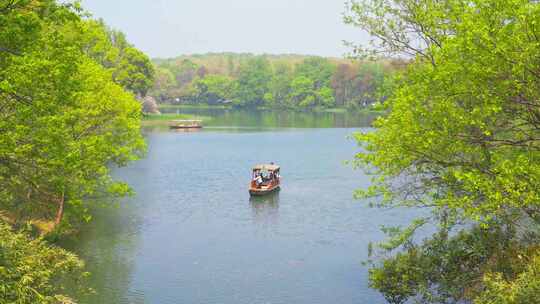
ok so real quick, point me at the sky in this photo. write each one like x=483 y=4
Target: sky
x=169 y=28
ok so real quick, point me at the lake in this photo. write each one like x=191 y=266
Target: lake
x=193 y=235
x=245 y=118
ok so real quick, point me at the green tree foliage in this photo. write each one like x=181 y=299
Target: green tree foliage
x=277 y=80
x=252 y=83
x=64 y=121
x=318 y=69
x=280 y=85
x=178 y=88
x=67 y=114
x=186 y=72
x=302 y=92
x=130 y=67
x=358 y=85
x=164 y=83
x=213 y=89
x=461 y=139
x=523 y=290
x=311 y=84
x=134 y=71
x=29 y=270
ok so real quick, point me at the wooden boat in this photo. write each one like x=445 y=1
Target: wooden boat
x=265 y=179
x=186 y=124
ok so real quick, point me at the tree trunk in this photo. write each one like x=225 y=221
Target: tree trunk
x=60 y=212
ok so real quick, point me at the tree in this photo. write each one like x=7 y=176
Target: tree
x=31 y=271
x=214 y=89
x=343 y=83
x=302 y=92
x=149 y=105
x=64 y=120
x=319 y=69
x=185 y=72
x=267 y=80
x=358 y=85
x=311 y=84
x=130 y=67
x=325 y=96
x=523 y=290
x=279 y=86
x=163 y=85
x=252 y=83
x=461 y=138
x=134 y=72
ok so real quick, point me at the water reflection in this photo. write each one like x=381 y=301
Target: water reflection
x=277 y=118
x=265 y=209
x=185 y=130
x=108 y=246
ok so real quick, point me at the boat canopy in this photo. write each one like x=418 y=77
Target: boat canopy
x=266 y=167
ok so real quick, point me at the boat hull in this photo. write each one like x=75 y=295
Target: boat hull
x=261 y=192
x=185 y=127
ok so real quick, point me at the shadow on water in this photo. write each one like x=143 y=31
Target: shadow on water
x=108 y=246
x=265 y=209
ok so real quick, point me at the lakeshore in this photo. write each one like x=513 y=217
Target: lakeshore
x=223 y=116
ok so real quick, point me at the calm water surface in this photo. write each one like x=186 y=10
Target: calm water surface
x=193 y=235
x=245 y=118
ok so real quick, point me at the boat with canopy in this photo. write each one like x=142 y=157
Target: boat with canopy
x=265 y=179
x=186 y=124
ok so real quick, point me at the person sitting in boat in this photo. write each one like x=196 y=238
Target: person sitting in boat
x=259 y=179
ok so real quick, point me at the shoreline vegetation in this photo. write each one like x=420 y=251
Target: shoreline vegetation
x=69 y=114
x=163 y=119
x=307 y=83
x=462 y=141
x=268 y=108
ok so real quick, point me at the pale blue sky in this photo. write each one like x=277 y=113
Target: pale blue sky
x=167 y=28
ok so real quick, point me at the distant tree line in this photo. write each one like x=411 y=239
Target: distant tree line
x=279 y=81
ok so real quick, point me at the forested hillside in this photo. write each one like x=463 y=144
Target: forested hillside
x=279 y=81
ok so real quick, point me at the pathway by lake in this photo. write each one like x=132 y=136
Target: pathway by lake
x=193 y=235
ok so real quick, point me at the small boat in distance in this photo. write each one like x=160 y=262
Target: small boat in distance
x=186 y=124
x=265 y=179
